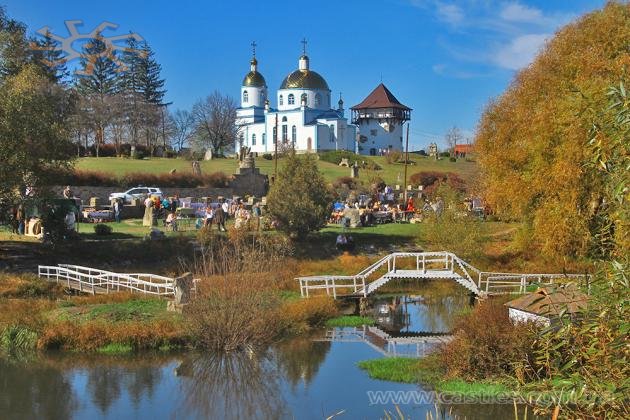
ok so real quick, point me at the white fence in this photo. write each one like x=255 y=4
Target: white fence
x=95 y=281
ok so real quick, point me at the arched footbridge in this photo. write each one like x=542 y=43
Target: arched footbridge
x=426 y=266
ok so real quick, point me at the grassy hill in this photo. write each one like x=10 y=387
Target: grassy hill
x=391 y=173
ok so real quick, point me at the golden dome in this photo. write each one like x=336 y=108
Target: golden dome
x=304 y=79
x=254 y=79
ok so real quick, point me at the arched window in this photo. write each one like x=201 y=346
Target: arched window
x=304 y=99
x=332 y=133
x=253 y=139
x=284 y=119
x=294 y=134
x=264 y=138
x=318 y=99
x=291 y=99
x=245 y=97
x=285 y=133
x=281 y=100
x=241 y=138
x=275 y=135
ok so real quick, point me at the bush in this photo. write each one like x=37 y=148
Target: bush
x=393 y=156
x=267 y=156
x=452 y=159
x=299 y=200
x=445 y=154
x=431 y=179
x=486 y=344
x=345 y=182
x=102 y=230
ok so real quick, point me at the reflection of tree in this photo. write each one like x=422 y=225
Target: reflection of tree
x=300 y=358
x=34 y=391
x=141 y=381
x=232 y=385
x=104 y=385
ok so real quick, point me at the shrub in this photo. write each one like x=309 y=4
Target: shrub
x=345 y=182
x=299 y=199
x=267 y=156
x=445 y=154
x=393 y=156
x=102 y=230
x=486 y=344
x=452 y=159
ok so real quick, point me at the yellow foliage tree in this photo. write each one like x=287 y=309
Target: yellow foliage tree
x=533 y=140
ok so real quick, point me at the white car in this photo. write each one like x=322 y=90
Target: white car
x=137 y=192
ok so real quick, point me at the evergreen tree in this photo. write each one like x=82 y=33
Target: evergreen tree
x=49 y=57
x=151 y=85
x=97 y=83
x=14 y=49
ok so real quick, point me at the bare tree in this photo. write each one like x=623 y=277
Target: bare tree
x=215 y=122
x=453 y=137
x=182 y=126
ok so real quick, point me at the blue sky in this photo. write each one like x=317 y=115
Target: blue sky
x=445 y=59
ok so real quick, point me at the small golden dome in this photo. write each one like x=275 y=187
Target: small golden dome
x=304 y=79
x=254 y=79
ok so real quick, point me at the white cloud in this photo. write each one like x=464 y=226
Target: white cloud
x=516 y=12
x=450 y=13
x=520 y=51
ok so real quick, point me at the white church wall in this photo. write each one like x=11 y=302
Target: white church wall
x=311 y=95
x=255 y=96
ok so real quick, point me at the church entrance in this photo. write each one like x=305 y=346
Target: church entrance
x=372 y=152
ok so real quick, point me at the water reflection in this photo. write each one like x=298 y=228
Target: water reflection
x=235 y=385
x=300 y=359
x=430 y=307
x=33 y=391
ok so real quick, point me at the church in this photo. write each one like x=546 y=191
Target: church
x=304 y=119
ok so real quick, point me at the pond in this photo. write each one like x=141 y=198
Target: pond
x=304 y=378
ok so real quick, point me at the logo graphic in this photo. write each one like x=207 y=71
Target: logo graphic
x=65 y=45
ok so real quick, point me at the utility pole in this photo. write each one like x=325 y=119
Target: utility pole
x=275 y=155
x=406 y=163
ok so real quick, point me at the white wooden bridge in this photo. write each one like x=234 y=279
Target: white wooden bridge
x=426 y=266
x=386 y=344
x=95 y=281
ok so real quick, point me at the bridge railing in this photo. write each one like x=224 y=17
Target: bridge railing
x=94 y=281
x=511 y=283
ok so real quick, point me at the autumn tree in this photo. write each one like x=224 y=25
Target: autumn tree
x=532 y=141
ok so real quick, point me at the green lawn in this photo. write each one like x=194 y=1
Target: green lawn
x=391 y=173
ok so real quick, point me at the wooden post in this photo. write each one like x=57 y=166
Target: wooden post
x=406 y=162
x=275 y=156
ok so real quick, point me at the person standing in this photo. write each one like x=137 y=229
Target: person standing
x=219 y=218
x=117 y=210
x=209 y=216
x=20 y=219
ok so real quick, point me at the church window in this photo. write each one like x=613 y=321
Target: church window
x=304 y=99
x=318 y=99
x=253 y=139
x=291 y=99
x=281 y=100
x=245 y=97
x=284 y=119
x=241 y=139
x=373 y=132
x=332 y=133
x=294 y=134
x=275 y=135
x=264 y=139
x=285 y=134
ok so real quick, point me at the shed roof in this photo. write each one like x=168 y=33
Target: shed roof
x=550 y=302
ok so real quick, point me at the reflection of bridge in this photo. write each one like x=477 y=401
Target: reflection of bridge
x=423 y=266
x=95 y=281
x=411 y=344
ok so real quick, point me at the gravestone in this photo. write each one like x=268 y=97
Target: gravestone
x=196 y=168
x=354 y=171
x=208 y=155
x=183 y=286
